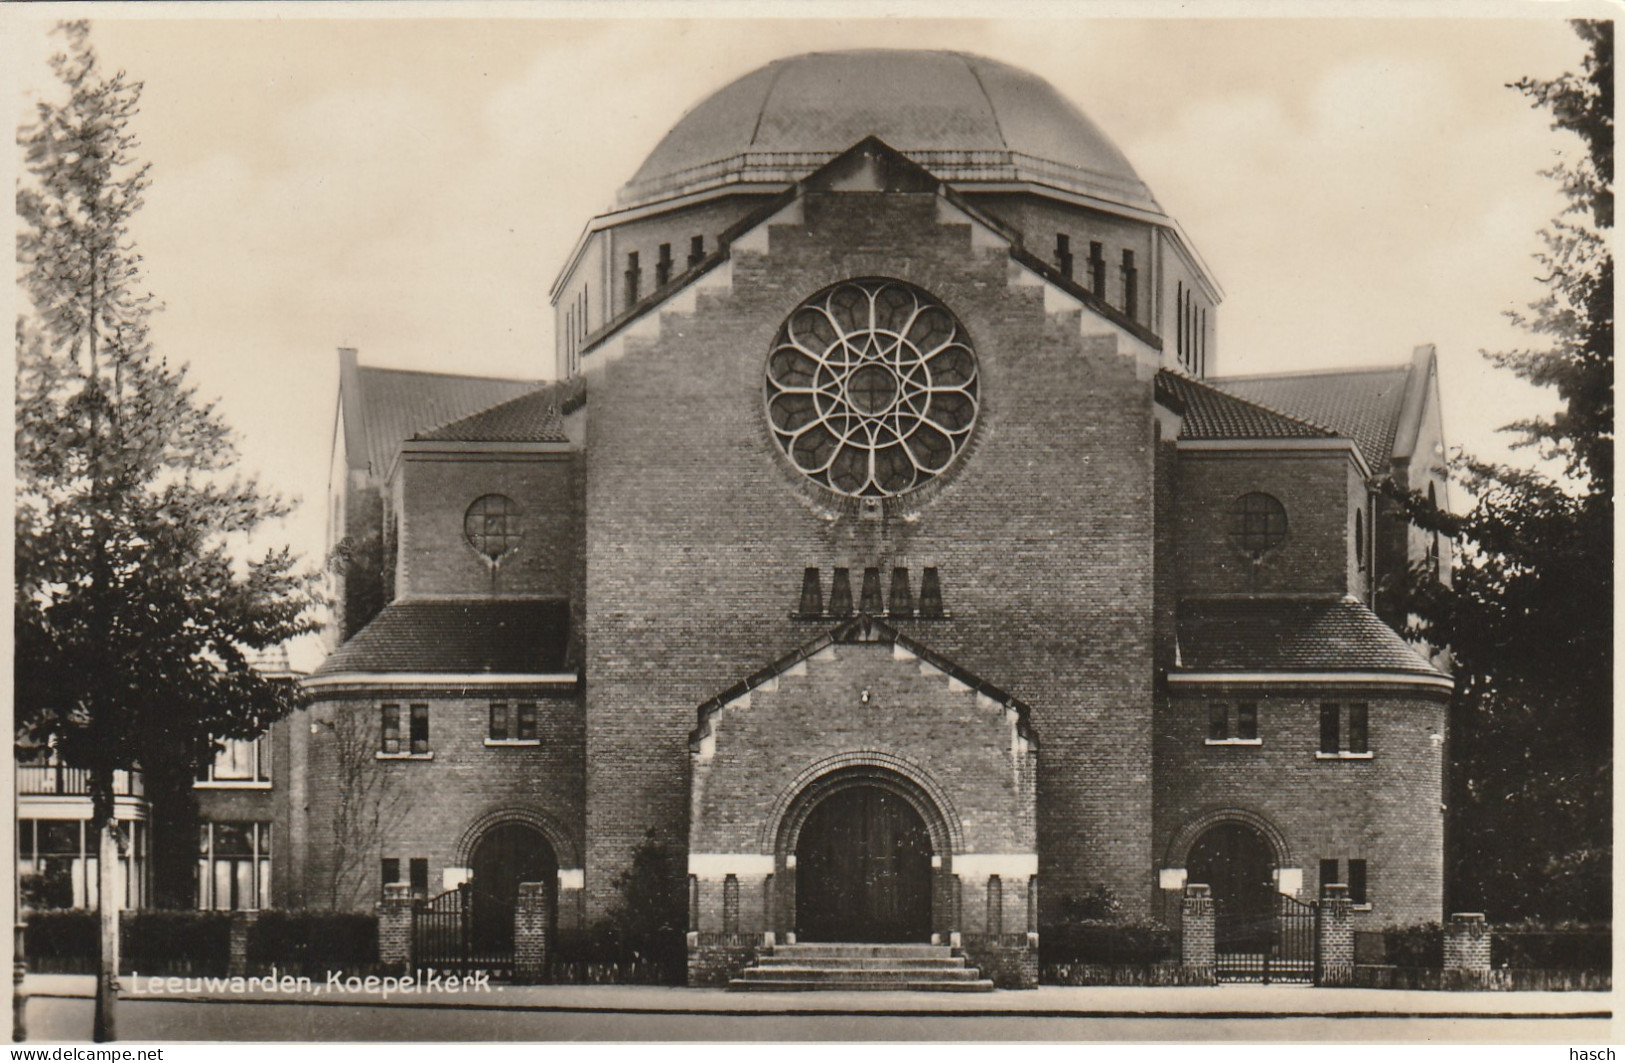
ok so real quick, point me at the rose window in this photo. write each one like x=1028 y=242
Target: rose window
x=872 y=388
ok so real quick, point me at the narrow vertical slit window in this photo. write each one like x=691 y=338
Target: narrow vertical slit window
x=1328 y=874
x=1179 y=326
x=696 y=251
x=1097 y=269
x=1218 y=722
x=1063 y=254
x=663 y=266
x=634 y=275
x=1131 y=286
x=390 y=872
x=420 y=877
x=1357 y=882
x=871 y=603
x=526 y=729
x=499 y=723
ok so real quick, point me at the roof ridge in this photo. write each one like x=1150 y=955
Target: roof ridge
x=424 y=433
x=452 y=376
x=1294 y=418
x=1402 y=367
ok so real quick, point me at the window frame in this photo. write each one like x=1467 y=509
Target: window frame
x=1342 y=746
x=1241 y=517
x=1226 y=730
x=258 y=860
x=1359 y=882
x=259 y=773
x=511 y=533
x=520 y=717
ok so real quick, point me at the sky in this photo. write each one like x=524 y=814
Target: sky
x=410 y=186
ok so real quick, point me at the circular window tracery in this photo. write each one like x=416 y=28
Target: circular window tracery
x=1257 y=523
x=492 y=525
x=872 y=388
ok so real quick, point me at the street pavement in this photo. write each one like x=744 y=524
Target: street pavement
x=60 y=1011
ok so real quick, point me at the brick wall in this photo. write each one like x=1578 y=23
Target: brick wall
x=432 y=804
x=435 y=555
x=1385 y=810
x=1316 y=556
x=697 y=534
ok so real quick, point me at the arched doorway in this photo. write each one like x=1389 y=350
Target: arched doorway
x=863 y=869
x=1236 y=860
x=506 y=855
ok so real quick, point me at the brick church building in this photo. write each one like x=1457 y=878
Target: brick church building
x=886 y=542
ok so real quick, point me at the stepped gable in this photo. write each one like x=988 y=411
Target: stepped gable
x=530 y=418
x=1211 y=413
x=396 y=403
x=458 y=636
x=1291 y=635
x=1365 y=405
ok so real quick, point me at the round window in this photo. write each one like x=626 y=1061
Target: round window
x=1257 y=523
x=872 y=388
x=492 y=525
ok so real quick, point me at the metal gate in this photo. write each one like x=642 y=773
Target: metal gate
x=441 y=926
x=1277 y=944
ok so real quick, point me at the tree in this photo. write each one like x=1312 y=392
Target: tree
x=133 y=615
x=1528 y=616
x=367 y=803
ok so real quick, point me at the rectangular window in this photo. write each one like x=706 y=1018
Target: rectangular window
x=234 y=866
x=1357 y=881
x=420 y=728
x=420 y=877
x=390 y=873
x=1359 y=728
x=499 y=723
x=1330 y=729
x=527 y=722
x=663 y=266
x=392 y=729
x=240 y=760
x=1328 y=874
x=696 y=251
x=1063 y=254
x=1218 y=722
x=1247 y=721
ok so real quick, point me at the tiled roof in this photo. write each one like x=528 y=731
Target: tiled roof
x=1361 y=404
x=1210 y=413
x=461 y=636
x=1291 y=635
x=531 y=418
x=396 y=403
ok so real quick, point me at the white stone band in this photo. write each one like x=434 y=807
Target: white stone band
x=721 y=865
x=1005 y=865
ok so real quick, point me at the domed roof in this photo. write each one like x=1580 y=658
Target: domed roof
x=963 y=117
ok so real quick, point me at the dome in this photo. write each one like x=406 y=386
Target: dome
x=963 y=117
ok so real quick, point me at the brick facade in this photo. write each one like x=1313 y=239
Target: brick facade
x=1032 y=724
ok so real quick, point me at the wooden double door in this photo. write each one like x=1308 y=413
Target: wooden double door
x=863 y=870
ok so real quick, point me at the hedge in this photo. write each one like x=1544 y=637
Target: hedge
x=1107 y=943
x=160 y=941
x=313 y=942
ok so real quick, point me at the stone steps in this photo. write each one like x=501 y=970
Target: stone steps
x=861 y=967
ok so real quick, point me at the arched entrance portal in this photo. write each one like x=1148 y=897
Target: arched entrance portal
x=1238 y=863
x=863 y=869
x=505 y=856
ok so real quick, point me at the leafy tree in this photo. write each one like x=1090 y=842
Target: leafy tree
x=133 y=616
x=1528 y=614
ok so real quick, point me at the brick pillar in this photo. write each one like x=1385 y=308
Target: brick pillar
x=1336 y=936
x=530 y=921
x=1196 y=946
x=239 y=928
x=395 y=927
x=1467 y=943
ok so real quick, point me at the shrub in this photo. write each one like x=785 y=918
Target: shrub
x=1419 y=945
x=313 y=941
x=62 y=939
x=1552 y=947
x=1112 y=943
x=180 y=942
